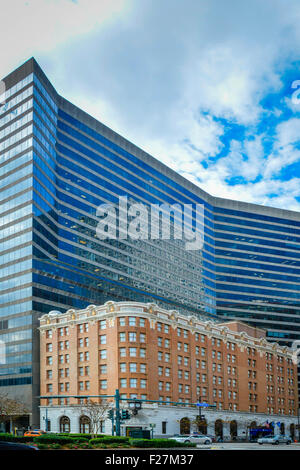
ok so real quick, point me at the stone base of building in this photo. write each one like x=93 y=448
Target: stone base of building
x=165 y=421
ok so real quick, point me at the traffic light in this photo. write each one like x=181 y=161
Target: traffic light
x=111 y=414
x=125 y=414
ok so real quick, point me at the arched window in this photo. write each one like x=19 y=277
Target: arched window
x=292 y=431
x=85 y=425
x=219 y=428
x=64 y=424
x=202 y=425
x=185 y=426
x=233 y=429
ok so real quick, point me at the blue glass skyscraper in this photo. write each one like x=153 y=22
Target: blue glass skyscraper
x=57 y=165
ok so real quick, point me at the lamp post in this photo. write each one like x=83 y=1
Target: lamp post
x=135 y=405
x=298 y=424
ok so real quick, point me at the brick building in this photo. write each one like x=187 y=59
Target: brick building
x=150 y=353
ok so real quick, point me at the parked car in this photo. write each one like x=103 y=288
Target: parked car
x=275 y=440
x=34 y=433
x=197 y=439
x=4 y=445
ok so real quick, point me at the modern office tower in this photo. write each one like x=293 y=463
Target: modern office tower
x=57 y=166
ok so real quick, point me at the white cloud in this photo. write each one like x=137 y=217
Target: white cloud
x=32 y=27
x=171 y=77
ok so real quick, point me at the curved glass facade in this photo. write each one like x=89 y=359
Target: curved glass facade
x=57 y=165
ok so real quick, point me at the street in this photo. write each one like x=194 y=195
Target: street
x=248 y=446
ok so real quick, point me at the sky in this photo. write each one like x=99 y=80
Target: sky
x=209 y=87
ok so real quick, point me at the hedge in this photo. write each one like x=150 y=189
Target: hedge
x=12 y=438
x=110 y=440
x=54 y=439
x=156 y=443
x=67 y=434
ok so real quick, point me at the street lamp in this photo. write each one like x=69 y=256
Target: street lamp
x=298 y=424
x=135 y=406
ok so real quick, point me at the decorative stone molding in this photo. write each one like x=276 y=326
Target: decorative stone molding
x=110 y=306
x=152 y=308
x=174 y=315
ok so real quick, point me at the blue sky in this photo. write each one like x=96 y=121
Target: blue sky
x=203 y=85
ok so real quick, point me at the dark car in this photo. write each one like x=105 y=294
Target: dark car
x=15 y=446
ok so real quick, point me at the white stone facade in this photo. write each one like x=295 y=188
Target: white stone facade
x=156 y=415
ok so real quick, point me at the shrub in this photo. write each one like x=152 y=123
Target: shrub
x=110 y=440
x=159 y=443
x=86 y=436
x=42 y=446
x=48 y=446
x=79 y=445
x=54 y=439
x=11 y=438
x=99 y=445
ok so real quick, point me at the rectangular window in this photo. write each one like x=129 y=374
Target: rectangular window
x=132 y=352
x=132 y=336
x=102 y=324
x=103 y=384
x=143 y=383
x=142 y=338
x=123 y=367
x=123 y=383
x=131 y=321
x=133 y=383
x=103 y=339
x=142 y=352
x=122 y=337
x=103 y=354
x=132 y=367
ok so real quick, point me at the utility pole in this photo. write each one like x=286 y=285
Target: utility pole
x=117 y=402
